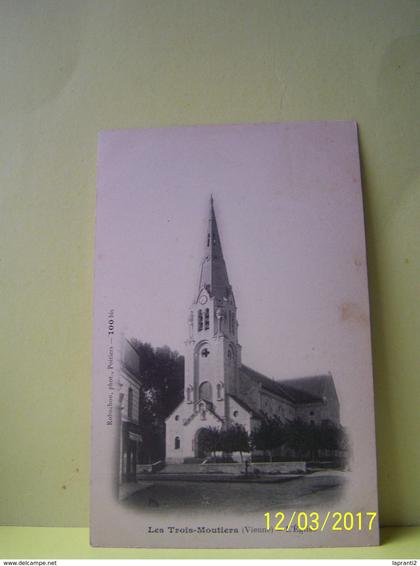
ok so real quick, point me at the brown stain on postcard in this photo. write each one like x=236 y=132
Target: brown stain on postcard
x=352 y=312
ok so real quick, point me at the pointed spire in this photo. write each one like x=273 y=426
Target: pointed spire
x=214 y=275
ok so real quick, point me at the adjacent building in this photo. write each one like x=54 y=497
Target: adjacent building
x=129 y=406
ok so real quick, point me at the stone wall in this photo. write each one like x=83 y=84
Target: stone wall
x=260 y=467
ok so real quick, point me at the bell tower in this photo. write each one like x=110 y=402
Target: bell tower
x=213 y=353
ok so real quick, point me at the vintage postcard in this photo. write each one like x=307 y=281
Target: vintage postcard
x=232 y=391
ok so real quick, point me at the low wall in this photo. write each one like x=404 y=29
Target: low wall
x=148 y=468
x=260 y=467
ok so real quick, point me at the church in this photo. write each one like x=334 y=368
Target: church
x=219 y=390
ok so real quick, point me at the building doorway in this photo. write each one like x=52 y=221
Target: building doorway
x=202 y=446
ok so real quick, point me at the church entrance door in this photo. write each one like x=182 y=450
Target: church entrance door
x=202 y=443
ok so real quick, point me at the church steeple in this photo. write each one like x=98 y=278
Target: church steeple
x=213 y=277
x=213 y=353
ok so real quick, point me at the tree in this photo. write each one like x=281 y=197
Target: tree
x=240 y=439
x=210 y=440
x=310 y=440
x=161 y=379
x=306 y=440
x=303 y=438
x=269 y=435
x=333 y=438
x=161 y=376
x=228 y=440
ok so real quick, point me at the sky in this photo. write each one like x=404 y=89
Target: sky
x=288 y=203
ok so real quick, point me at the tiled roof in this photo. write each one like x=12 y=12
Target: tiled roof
x=266 y=383
x=318 y=386
x=245 y=406
x=297 y=391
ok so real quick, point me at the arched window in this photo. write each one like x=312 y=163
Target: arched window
x=200 y=320
x=177 y=444
x=130 y=403
x=231 y=355
x=230 y=321
x=219 y=391
x=207 y=319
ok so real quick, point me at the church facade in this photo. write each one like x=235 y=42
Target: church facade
x=219 y=390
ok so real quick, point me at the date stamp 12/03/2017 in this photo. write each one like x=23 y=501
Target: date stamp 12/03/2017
x=314 y=521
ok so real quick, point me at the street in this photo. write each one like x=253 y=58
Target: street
x=312 y=491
